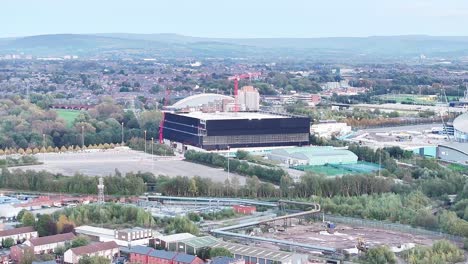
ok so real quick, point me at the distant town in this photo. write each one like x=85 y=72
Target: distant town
x=125 y=157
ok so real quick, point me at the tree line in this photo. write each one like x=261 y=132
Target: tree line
x=26 y=125
x=264 y=173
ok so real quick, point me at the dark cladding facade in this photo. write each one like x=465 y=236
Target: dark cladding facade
x=242 y=131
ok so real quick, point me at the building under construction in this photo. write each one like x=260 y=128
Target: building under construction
x=223 y=130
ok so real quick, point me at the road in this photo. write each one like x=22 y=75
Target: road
x=103 y=163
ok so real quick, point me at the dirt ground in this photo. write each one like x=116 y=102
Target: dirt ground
x=345 y=237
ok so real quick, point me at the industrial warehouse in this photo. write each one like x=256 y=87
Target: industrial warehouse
x=223 y=130
x=216 y=122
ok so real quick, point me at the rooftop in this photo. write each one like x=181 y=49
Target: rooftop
x=462 y=147
x=199 y=242
x=244 y=250
x=16 y=231
x=38 y=241
x=95 y=231
x=96 y=247
x=232 y=115
x=176 y=237
x=461 y=123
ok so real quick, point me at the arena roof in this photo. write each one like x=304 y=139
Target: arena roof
x=232 y=115
x=199 y=99
x=461 y=123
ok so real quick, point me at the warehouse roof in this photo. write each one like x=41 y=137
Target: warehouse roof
x=232 y=115
x=176 y=237
x=462 y=147
x=461 y=123
x=250 y=251
x=199 y=242
x=94 y=231
x=325 y=154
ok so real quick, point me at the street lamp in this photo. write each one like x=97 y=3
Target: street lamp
x=145 y=141
x=122 y=133
x=152 y=155
x=43 y=146
x=228 y=163
x=82 y=137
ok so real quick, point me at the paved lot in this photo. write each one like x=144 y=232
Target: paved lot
x=106 y=162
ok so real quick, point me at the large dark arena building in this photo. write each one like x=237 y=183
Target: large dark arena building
x=222 y=130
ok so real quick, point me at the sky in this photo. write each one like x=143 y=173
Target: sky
x=236 y=18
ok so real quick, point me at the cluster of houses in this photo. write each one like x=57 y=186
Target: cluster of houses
x=131 y=245
x=27 y=241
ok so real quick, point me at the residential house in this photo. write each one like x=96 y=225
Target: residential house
x=18 y=234
x=147 y=255
x=17 y=252
x=48 y=244
x=109 y=250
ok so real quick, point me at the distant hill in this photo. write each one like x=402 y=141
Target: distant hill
x=120 y=45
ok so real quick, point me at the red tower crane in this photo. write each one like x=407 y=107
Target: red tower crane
x=236 y=79
x=161 y=124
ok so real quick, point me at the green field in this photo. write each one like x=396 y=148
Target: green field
x=408 y=99
x=68 y=115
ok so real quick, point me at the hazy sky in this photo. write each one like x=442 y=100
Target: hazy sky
x=236 y=18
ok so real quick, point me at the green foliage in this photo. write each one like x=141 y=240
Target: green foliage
x=8 y=242
x=380 y=255
x=181 y=225
x=94 y=260
x=19 y=216
x=20 y=161
x=28 y=219
x=272 y=175
x=80 y=241
x=45 y=226
x=441 y=251
x=220 y=252
x=194 y=217
x=109 y=214
x=23 y=123
x=223 y=214
x=131 y=184
x=158 y=149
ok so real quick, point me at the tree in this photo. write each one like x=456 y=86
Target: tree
x=79 y=241
x=220 y=252
x=28 y=256
x=63 y=224
x=45 y=226
x=28 y=219
x=94 y=260
x=19 y=217
x=380 y=255
x=8 y=242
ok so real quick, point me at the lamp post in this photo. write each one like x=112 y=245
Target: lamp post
x=228 y=163
x=152 y=155
x=82 y=137
x=43 y=146
x=145 y=141
x=122 y=133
